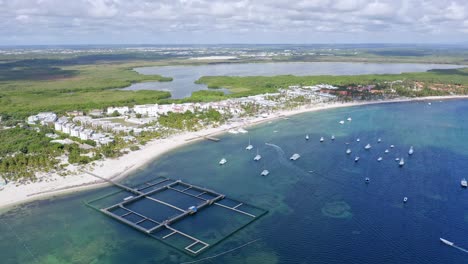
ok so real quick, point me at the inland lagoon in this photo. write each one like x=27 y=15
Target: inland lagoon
x=320 y=209
x=184 y=77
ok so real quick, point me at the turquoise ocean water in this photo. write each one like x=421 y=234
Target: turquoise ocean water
x=320 y=208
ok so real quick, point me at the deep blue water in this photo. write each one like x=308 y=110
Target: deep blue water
x=184 y=77
x=320 y=208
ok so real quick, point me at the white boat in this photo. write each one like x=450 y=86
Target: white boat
x=341 y=122
x=429 y=103
x=349 y=119
x=402 y=162
x=257 y=157
x=380 y=159
x=295 y=156
x=322 y=139
x=367 y=180
x=348 y=151
x=386 y=151
x=392 y=146
x=397 y=159
x=233 y=131
x=379 y=140
x=356 y=159
x=249 y=147
x=464 y=183
x=241 y=130
x=445 y=241
x=368 y=146
x=307 y=137
x=265 y=173
x=405 y=199
x=333 y=137
x=358 y=139
x=222 y=161
x=411 y=151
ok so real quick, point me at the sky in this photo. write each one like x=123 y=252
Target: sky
x=46 y=22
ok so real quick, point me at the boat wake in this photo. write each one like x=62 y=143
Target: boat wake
x=283 y=160
x=460 y=248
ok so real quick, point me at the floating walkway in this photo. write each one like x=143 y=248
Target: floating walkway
x=158 y=207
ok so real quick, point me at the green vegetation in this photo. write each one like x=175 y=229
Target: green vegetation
x=190 y=121
x=23 y=151
x=251 y=85
x=81 y=87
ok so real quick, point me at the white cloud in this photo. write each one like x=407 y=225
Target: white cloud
x=231 y=20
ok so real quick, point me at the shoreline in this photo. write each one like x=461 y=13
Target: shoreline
x=119 y=168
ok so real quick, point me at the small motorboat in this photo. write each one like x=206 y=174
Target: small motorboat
x=222 y=161
x=392 y=146
x=295 y=156
x=411 y=151
x=464 y=183
x=322 y=139
x=367 y=180
x=446 y=242
x=349 y=119
x=307 y=137
x=358 y=139
x=386 y=151
x=379 y=140
x=380 y=159
x=397 y=159
x=367 y=147
x=356 y=159
x=341 y=122
x=348 y=151
x=405 y=199
x=333 y=137
x=265 y=173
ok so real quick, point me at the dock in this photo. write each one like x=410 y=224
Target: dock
x=212 y=138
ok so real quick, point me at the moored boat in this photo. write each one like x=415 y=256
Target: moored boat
x=348 y=151
x=402 y=162
x=265 y=173
x=222 y=161
x=368 y=146
x=464 y=183
x=295 y=156
x=411 y=151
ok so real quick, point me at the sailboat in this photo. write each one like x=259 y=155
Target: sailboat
x=356 y=159
x=405 y=199
x=411 y=151
x=402 y=162
x=367 y=147
x=265 y=173
x=348 y=151
x=249 y=147
x=333 y=137
x=379 y=140
x=257 y=157
x=321 y=139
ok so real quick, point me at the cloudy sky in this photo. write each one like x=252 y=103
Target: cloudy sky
x=232 y=21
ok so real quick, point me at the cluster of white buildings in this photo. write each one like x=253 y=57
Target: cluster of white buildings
x=70 y=128
x=43 y=118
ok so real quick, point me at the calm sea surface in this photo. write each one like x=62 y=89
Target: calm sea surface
x=184 y=76
x=320 y=208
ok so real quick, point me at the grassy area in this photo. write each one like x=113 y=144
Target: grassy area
x=79 y=87
x=250 y=85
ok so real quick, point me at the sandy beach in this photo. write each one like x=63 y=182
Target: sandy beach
x=115 y=169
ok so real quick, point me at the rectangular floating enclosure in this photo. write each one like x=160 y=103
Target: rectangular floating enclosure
x=184 y=216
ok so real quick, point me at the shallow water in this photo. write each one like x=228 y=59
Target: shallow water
x=320 y=209
x=184 y=76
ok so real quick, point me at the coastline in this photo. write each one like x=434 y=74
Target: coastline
x=119 y=168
